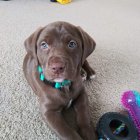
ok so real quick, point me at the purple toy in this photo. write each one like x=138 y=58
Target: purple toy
x=131 y=101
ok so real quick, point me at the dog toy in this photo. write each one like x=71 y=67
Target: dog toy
x=115 y=126
x=61 y=1
x=131 y=101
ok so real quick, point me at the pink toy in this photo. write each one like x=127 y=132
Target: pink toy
x=131 y=101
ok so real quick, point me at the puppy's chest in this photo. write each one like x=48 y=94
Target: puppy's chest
x=68 y=96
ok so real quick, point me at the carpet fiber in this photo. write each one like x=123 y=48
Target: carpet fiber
x=114 y=25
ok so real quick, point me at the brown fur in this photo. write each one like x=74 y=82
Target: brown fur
x=58 y=60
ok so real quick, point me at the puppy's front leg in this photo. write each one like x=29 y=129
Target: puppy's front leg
x=58 y=124
x=83 y=118
x=90 y=72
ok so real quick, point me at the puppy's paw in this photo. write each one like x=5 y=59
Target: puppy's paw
x=91 y=75
x=84 y=78
x=84 y=75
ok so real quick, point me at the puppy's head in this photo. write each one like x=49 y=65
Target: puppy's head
x=60 y=49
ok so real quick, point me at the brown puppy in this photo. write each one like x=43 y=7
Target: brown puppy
x=55 y=56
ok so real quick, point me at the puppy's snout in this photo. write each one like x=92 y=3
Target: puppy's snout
x=57 y=66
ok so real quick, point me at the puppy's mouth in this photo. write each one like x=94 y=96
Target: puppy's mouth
x=56 y=77
x=59 y=79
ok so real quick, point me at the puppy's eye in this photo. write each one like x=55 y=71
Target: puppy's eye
x=72 y=44
x=44 y=45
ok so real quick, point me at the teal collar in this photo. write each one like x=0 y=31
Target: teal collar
x=57 y=85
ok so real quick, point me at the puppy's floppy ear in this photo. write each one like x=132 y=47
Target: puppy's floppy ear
x=31 y=43
x=88 y=44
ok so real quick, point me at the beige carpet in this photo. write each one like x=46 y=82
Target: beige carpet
x=115 y=26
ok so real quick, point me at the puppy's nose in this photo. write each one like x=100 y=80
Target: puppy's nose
x=57 y=68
